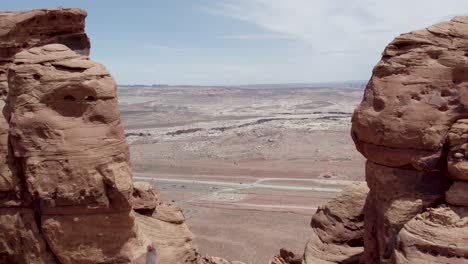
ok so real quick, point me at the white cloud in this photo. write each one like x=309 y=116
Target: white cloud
x=340 y=29
x=337 y=24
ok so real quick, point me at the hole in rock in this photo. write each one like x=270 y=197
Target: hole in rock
x=69 y=98
x=36 y=76
x=357 y=242
x=90 y=98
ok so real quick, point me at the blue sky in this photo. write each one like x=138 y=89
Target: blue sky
x=229 y=42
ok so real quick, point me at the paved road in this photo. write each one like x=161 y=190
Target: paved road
x=256 y=183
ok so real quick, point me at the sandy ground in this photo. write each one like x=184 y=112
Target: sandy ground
x=248 y=166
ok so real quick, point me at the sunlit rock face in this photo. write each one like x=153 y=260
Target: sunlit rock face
x=65 y=135
x=21 y=30
x=66 y=191
x=338 y=229
x=411 y=126
x=65 y=130
x=65 y=180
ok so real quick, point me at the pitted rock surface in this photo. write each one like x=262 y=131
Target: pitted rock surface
x=412 y=128
x=21 y=30
x=66 y=190
x=417 y=91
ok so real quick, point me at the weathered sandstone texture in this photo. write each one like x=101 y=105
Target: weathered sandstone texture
x=145 y=198
x=19 y=31
x=71 y=154
x=286 y=257
x=66 y=191
x=412 y=128
x=216 y=260
x=338 y=229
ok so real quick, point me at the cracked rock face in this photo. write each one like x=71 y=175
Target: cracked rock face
x=412 y=128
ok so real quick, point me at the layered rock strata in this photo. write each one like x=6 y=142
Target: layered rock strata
x=19 y=31
x=411 y=127
x=70 y=151
x=66 y=191
x=338 y=229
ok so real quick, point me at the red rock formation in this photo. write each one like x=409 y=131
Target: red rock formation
x=65 y=186
x=19 y=31
x=145 y=198
x=338 y=229
x=66 y=137
x=410 y=127
x=216 y=260
x=21 y=240
x=66 y=191
x=286 y=257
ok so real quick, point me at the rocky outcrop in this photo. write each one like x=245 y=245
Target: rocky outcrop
x=66 y=191
x=437 y=236
x=66 y=139
x=286 y=257
x=145 y=198
x=338 y=229
x=216 y=260
x=20 y=31
x=411 y=128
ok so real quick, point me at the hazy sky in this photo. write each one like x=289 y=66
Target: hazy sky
x=246 y=41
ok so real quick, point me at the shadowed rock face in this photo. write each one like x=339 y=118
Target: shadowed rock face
x=411 y=127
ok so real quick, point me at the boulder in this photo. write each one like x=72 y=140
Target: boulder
x=338 y=229
x=287 y=257
x=458 y=194
x=457 y=163
x=144 y=199
x=174 y=243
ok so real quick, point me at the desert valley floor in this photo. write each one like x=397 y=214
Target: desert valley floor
x=248 y=165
